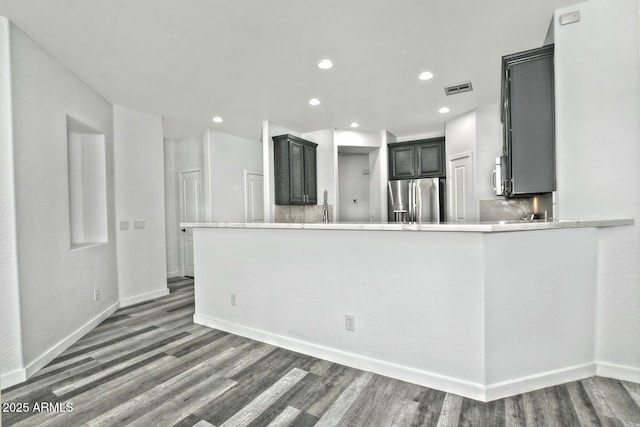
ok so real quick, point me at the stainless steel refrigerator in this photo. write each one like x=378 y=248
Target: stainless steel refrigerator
x=416 y=200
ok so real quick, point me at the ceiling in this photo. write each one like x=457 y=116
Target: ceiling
x=253 y=60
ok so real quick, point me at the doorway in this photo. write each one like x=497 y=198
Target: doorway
x=190 y=211
x=354 y=192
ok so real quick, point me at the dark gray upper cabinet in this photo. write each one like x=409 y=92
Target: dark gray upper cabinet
x=417 y=159
x=294 y=170
x=528 y=119
x=402 y=161
x=430 y=161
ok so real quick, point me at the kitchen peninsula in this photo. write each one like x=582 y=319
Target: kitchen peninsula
x=482 y=310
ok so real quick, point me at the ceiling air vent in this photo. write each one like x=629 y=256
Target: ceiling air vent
x=458 y=88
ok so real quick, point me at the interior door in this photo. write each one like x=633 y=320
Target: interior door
x=254 y=197
x=461 y=206
x=189 y=212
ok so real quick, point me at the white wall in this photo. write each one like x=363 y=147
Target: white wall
x=228 y=157
x=488 y=147
x=139 y=183
x=423 y=135
x=56 y=283
x=326 y=165
x=379 y=167
x=597 y=92
x=540 y=308
x=399 y=336
x=461 y=134
x=170 y=213
x=181 y=155
x=479 y=132
x=353 y=138
x=10 y=330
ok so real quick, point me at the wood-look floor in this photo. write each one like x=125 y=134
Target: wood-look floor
x=149 y=365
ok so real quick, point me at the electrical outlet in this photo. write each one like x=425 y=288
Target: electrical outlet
x=139 y=224
x=124 y=225
x=233 y=299
x=350 y=322
x=96 y=295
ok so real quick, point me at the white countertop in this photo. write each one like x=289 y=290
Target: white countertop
x=481 y=227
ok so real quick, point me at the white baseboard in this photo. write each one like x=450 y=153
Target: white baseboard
x=12 y=378
x=144 y=297
x=538 y=381
x=430 y=379
x=172 y=274
x=57 y=349
x=21 y=375
x=618 y=372
x=427 y=379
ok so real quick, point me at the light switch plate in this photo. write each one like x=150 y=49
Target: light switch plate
x=124 y=225
x=138 y=224
x=350 y=322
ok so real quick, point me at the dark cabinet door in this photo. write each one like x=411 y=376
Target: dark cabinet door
x=528 y=117
x=311 y=186
x=297 y=191
x=281 y=170
x=294 y=170
x=430 y=159
x=401 y=161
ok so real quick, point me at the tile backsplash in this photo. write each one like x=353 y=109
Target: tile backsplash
x=294 y=213
x=501 y=209
x=514 y=209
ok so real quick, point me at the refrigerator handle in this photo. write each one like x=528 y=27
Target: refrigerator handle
x=417 y=202
x=409 y=202
x=412 y=202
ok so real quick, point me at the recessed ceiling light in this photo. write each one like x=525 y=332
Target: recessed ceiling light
x=314 y=101
x=443 y=110
x=217 y=119
x=425 y=75
x=355 y=125
x=325 y=64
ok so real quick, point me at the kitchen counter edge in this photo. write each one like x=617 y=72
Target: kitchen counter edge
x=479 y=227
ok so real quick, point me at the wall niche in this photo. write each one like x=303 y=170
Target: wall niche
x=87 y=185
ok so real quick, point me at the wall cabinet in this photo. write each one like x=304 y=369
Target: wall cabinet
x=417 y=159
x=528 y=118
x=295 y=171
